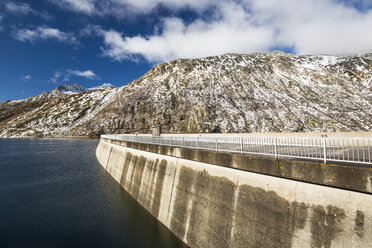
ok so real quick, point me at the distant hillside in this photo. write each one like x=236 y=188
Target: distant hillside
x=55 y=113
x=228 y=93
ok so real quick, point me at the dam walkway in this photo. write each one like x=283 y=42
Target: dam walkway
x=349 y=150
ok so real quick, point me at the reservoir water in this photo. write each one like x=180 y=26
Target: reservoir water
x=54 y=193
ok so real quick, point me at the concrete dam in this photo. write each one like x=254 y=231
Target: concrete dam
x=214 y=198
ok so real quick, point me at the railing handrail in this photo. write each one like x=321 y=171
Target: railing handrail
x=352 y=150
x=237 y=136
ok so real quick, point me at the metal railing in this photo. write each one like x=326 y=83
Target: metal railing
x=353 y=150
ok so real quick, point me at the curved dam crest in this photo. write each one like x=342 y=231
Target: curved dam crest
x=207 y=205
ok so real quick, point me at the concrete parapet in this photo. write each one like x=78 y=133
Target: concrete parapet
x=341 y=175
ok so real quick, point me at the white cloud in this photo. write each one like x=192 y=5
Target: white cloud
x=26 y=78
x=81 y=6
x=197 y=40
x=56 y=77
x=125 y=8
x=316 y=26
x=148 y=5
x=44 y=33
x=18 y=8
x=87 y=74
x=307 y=26
x=66 y=75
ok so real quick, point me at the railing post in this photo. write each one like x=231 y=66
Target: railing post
x=241 y=145
x=183 y=141
x=216 y=144
x=325 y=149
x=170 y=141
x=197 y=140
x=276 y=147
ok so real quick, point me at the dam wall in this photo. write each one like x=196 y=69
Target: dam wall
x=210 y=199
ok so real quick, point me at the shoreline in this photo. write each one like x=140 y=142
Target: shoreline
x=51 y=137
x=264 y=135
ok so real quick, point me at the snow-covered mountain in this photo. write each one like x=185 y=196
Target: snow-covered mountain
x=226 y=93
x=54 y=113
x=71 y=89
x=102 y=87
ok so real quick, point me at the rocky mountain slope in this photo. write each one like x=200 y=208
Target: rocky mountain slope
x=54 y=113
x=227 y=93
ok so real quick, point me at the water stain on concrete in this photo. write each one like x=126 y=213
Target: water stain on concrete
x=325 y=225
x=264 y=219
x=128 y=159
x=159 y=187
x=132 y=162
x=188 y=154
x=157 y=169
x=211 y=215
x=148 y=186
x=186 y=180
x=359 y=223
x=299 y=214
x=261 y=218
x=108 y=158
x=138 y=166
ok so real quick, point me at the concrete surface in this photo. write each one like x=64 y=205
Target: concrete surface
x=206 y=205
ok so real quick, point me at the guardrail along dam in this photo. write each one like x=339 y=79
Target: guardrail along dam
x=249 y=192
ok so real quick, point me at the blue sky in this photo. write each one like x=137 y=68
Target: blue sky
x=46 y=43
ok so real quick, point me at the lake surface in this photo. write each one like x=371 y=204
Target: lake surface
x=54 y=193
